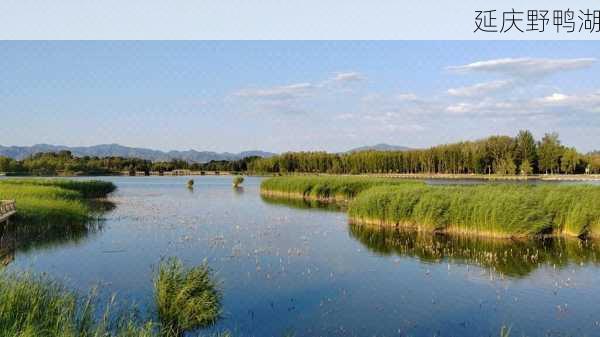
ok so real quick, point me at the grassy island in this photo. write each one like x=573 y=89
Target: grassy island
x=497 y=210
x=44 y=201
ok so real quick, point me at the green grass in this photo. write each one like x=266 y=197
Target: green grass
x=54 y=200
x=185 y=298
x=496 y=210
x=334 y=188
x=86 y=188
x=32 y=306
x=36 y=306
x=502 y=210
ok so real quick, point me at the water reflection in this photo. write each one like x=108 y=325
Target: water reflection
x=514 y=258
x=303 y=203
x=22 y=237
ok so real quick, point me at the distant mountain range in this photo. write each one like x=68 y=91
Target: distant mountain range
x=107 y=150
x=381 y=147
x=116 y=150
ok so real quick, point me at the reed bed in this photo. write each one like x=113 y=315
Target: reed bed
x=325 y=188
x=498 y=210
x=186 y=298
x=33 y=306
x=53 y=201
x=36 y=306
x=86 y=188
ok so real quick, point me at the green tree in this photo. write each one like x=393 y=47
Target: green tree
x=525 y=168
x=4 y=164
x=506 y=166
x=526 y=149
x=570 y=160
x=550 y=151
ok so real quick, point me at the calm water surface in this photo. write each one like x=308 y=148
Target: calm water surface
x=288 y=268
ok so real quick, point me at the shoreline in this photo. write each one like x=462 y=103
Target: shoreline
x=410 y=176
x=451 y=230
x=485 y=177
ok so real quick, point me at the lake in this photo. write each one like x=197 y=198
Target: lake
x=292 y=267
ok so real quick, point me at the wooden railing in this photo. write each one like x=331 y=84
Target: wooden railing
x=7 y=208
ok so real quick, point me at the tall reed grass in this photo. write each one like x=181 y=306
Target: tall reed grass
x=503 y=210
x=53 y=201
x=33 y=306
x=332 y=188
x=186 y=298
x=500 y=210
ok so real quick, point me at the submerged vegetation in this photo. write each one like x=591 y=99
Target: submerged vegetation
x=186 y=298
x=501 y=210
x=53 y=201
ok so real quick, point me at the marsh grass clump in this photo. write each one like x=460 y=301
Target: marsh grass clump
x=54 y=200
x=186 y=298
x=32 y=307
x=326 y=188
x=502 y=210
x=85 y=188
x=36 y=306
x=237 y=181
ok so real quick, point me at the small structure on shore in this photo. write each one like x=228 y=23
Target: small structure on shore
x=7 y=209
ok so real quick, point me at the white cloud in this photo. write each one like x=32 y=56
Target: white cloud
x=348 y=77
x=406 y=97
x=589 y=102
x=297 y=91
x=524 y=67
x=480 y=89
x=556 y=97
x=278 y=92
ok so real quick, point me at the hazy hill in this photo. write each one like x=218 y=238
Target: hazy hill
x=107 y=150
x=381 y=147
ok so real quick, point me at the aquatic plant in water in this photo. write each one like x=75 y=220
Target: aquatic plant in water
x=329 y=188
x=36 y=306
x=501 y=210
x=237 y=181
x=186 y=298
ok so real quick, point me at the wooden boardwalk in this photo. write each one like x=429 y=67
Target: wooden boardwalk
x=7 y=209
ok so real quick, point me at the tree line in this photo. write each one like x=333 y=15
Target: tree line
x=65 y=163
x=501 y=155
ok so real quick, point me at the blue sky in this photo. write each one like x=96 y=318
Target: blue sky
x=279 y=96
